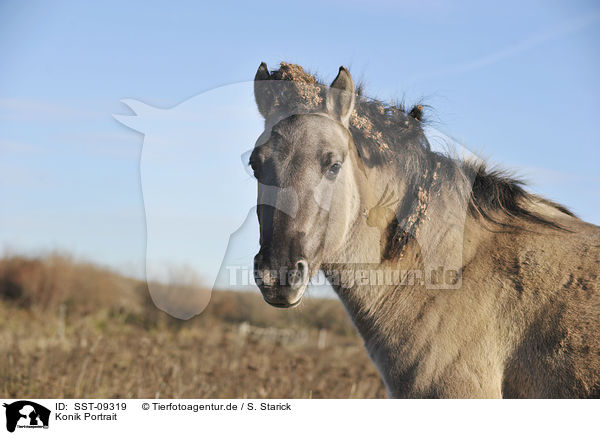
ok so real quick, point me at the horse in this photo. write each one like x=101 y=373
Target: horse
x=461 y=283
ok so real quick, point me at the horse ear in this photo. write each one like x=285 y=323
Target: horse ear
x=340 y=97
x=263 y=92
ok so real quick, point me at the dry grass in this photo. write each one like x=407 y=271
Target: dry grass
x=76 y=330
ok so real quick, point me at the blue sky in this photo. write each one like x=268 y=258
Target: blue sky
x=517 y=82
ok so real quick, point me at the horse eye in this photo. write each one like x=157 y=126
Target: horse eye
x=254 y=167
x=333 y=170
x=246 y=162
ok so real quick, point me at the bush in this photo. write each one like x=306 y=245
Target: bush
x=47 y=282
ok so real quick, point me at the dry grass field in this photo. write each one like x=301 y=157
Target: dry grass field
x=72 y=329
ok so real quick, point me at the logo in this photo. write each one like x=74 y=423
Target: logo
x=26 y=414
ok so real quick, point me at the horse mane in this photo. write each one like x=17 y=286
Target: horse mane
x=497 y=190
x=383 y=131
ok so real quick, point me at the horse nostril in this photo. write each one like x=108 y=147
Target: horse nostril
x=302 y=265
x=299 y=275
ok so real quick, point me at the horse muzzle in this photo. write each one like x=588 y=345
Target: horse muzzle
x=281 y=287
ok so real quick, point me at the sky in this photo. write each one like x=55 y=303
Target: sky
x=515 y=82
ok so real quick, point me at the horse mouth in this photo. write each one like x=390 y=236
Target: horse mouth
x=284 y=304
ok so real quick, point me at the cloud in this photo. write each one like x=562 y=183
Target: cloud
x=107 y=144
x=564 y=29
x=25 y=109
x=13 y=146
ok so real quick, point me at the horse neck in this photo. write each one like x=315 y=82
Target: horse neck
x=388 y=309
